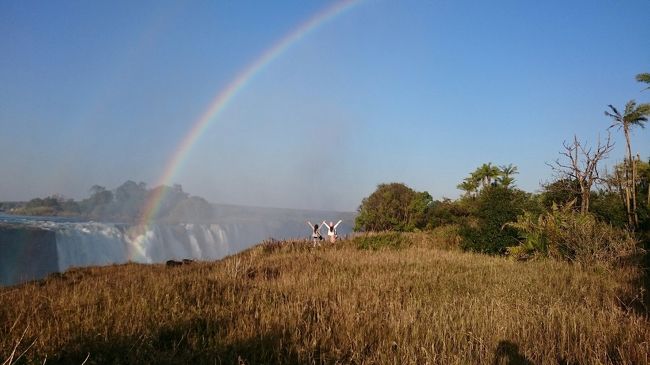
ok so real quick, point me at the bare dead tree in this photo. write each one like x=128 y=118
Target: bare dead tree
x=579 y=163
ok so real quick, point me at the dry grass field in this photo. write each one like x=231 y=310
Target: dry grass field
x=379 y=299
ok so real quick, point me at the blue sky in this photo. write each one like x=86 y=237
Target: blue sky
x=420 y=92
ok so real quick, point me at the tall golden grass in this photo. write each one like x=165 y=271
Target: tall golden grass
x=286 y=303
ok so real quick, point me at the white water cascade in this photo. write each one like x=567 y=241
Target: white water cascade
x=33 y=247
x=84 y=244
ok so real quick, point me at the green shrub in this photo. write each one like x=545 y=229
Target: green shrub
x=608 y=207
x=560 y=191
x=446 y=212
x=494 y=207
x=565 y=234
x=393 y=207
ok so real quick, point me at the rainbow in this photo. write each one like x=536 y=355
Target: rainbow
x=223 y=98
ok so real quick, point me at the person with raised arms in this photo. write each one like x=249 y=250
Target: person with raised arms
x=331 y=230
x=316 y=237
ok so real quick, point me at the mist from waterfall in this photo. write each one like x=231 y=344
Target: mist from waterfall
x=32 y=247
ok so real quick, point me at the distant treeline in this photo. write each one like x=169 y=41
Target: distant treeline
x=122 y=204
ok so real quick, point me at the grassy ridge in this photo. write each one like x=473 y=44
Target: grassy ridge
x=355 y=302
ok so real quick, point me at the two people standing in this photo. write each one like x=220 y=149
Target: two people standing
x=331 y=231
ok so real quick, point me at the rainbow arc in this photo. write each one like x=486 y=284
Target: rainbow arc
x=226 y=95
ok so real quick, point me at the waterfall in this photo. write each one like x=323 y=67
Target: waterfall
x=85 y=244
x=33 y=247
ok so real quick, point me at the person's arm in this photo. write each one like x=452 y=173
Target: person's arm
x=310 y=225
x=337 y=223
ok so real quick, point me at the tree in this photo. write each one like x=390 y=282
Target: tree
x=419 y=210
x=644 y=179
x=394 y=207
x=447 y=211
x=608 y=207
x=645 y=78
x=129 y=191
x=97 y=206
x=100 y=196
x=486 y=173
x=560 y=192
x=70 y=207
x=129 y=199
x=581 y=165
x=633 y=115
x=494 y=207
x=469 y=186
x=169 y=197
x=505 y=178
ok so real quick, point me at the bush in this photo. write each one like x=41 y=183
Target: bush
x=562 y=233
x=561 y=192
x=393 y=207
x=609 y=207
x=446 y=212
x=494 y=207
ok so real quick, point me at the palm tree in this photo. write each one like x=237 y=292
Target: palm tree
x=486 y=173
x=633 y=115
x=469 y=186
x=644 y=77
x=505 y=177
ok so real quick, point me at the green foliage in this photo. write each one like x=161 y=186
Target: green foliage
x=169 y=197
x=50 y=202
x=374 y=242
x=447 y=212
x=469 y=185
x=609 y=207
x=644 y=77
x=643 y=197
x=393 y=207
x=54 y=205
x=562 y=233
x=561 y=191
x=100 y=196
x=494 y=207
x=9 y=206
x=130 y=198
x=97 y=205
x=633 y=115
x=488 y=175
x=505 y=175
x=538 y=232
x=418 y=210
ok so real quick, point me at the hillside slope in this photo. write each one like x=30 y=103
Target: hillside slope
x=284 y=303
